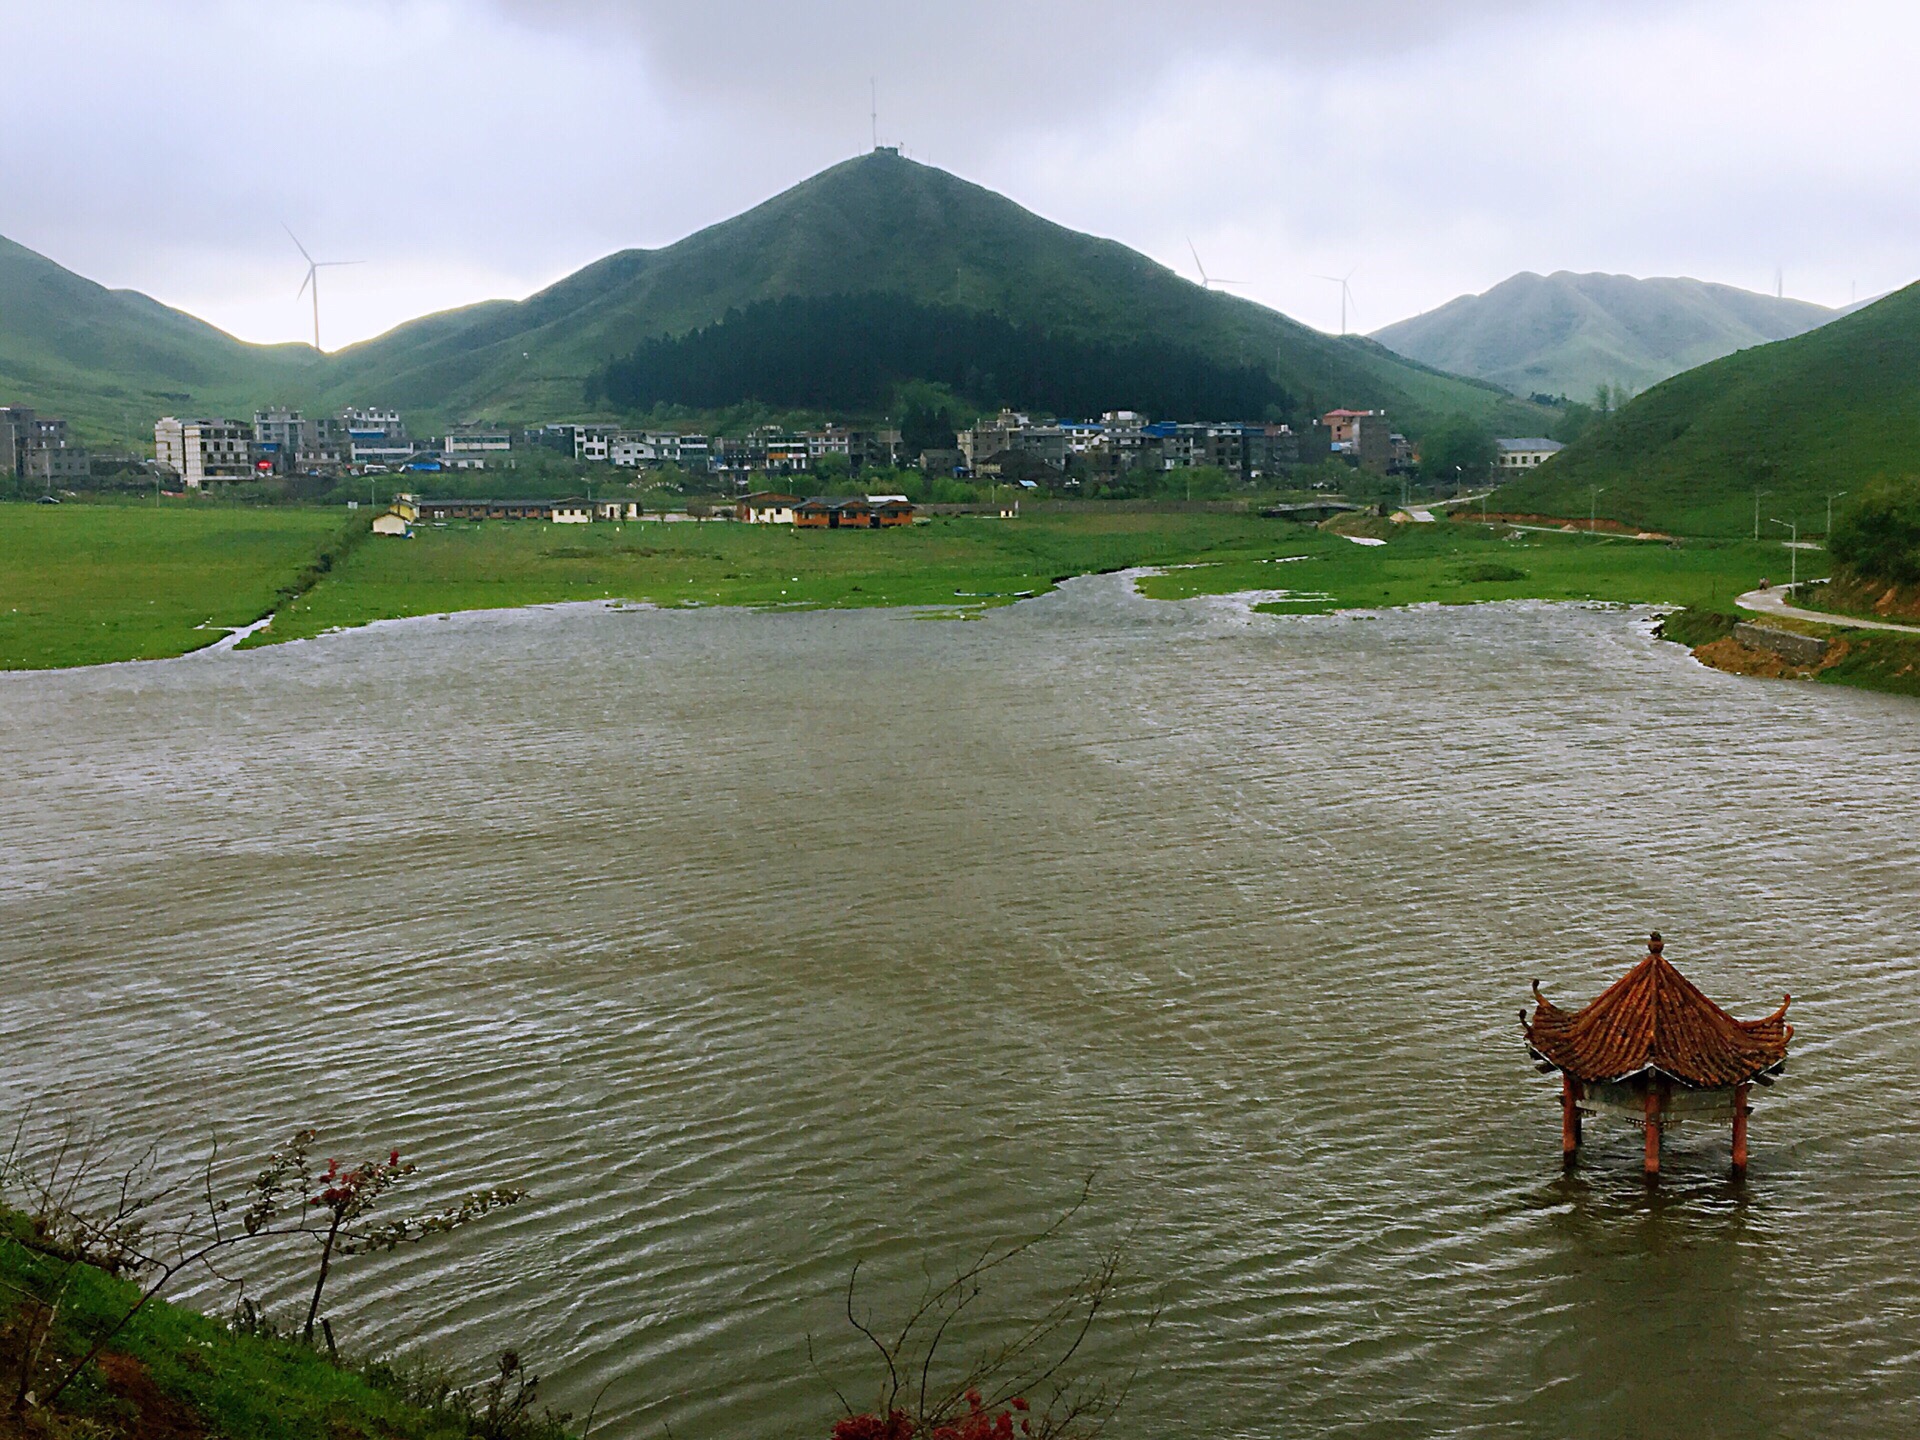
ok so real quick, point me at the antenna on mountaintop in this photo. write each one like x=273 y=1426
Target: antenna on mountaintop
x=873 y=93
x=1779 y=283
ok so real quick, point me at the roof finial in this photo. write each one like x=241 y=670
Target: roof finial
x=1655 y=944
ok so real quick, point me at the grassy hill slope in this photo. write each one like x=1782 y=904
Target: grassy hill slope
x=113 y=361
x=879 y=223
x=1566 y=334
x=1824 y=412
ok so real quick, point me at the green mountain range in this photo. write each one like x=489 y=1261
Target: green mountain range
x=879 y=224
x=1799 y=420
x=112 y=361
x=1568 y=334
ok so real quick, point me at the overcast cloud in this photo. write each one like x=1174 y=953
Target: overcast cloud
x=473 y=148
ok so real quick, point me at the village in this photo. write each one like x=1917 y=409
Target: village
x=1011 y=448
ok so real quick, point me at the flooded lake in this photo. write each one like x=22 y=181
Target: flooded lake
x=759 y=945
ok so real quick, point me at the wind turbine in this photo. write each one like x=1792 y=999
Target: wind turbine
x=314 y=267
x=1207 y=282
x=1346 y=295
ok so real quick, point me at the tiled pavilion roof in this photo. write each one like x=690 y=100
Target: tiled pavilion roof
x=1654 y=1019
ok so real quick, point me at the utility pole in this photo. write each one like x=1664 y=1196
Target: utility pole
x=1830 y=499
x=1793 y=550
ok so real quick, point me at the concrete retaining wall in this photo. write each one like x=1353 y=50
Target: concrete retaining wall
x=1798 y=649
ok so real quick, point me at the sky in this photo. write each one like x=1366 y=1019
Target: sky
x=467 y=149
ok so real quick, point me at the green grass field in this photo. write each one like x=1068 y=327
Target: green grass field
x=82 y=584
x=85 y=584
x=1466 y=563
x=953 y=563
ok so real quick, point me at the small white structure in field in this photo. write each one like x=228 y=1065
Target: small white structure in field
x=392 y=524
x=572 y=512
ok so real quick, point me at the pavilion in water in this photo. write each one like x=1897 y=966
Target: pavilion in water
x=1653 y=1048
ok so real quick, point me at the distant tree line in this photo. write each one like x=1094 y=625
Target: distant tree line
x=852 y=353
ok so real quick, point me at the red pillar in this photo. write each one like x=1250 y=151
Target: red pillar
x=1653 y=1127
x=1569 y=1118
x=1740 y=1112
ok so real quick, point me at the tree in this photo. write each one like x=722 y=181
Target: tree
x=832 y=471
x=925 y=428
x=151 y=1237
x=1030 y=1379
x=1461 y=447
x=1573 y=421
x=1877 y=536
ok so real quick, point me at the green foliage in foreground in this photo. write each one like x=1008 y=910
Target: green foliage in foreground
x=86 y=584
x=1462 y=563
x=172 y=1367
x=1877 y=535
x=1827 y=411
x=958 y=563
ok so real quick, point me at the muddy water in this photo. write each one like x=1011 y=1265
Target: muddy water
x=761 y=945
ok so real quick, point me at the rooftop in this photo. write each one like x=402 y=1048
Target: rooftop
x=1653 y=1019
x=1530 y=442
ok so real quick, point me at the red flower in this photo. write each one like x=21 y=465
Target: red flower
x=896 y=1426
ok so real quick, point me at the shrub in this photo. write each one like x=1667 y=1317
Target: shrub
x=1878 y=535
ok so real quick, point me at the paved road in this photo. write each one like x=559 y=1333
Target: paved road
x=1774 y=602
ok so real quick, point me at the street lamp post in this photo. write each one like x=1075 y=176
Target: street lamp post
x=1593 y=509
x=1793 y=550
x=1756 y=510
x=1830 y=499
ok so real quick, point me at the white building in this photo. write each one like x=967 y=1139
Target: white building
x=204 y=450
x=593 y=442
x=474 y=449
x=1524 y=454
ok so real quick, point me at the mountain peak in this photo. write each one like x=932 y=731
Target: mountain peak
x=1569 y=332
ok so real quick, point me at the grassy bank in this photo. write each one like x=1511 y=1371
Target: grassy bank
x=958 y=562
x=90 y=583
x=1465 y=563
x=85 y=584
x=175 y=1373
x=1862 y=659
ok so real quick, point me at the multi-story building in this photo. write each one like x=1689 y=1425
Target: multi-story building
x=1013 y=432
x=593 y=442
x=376 y=437
x=279 y=435
x=1270 y=449
x=788 y=454
x=475 y=448
x=203 y=451
x=36 y=449
x=1372 y=444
